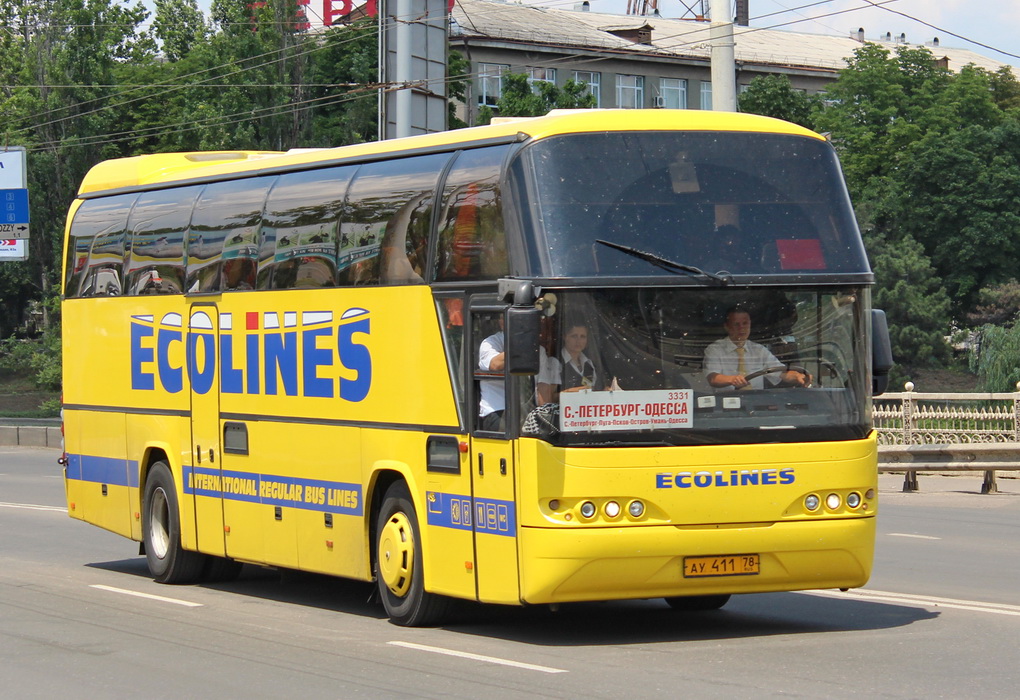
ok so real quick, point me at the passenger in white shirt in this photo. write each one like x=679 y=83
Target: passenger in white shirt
x=728 y=360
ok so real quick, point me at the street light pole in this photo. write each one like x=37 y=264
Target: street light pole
x=724 y=80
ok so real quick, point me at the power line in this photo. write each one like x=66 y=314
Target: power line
x=944 y=31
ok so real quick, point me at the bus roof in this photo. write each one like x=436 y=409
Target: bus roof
x=164 y=168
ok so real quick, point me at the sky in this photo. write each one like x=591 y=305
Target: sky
x=996 y=25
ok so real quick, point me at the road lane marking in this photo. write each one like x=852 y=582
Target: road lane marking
x=33 y=506
x=478 y=657
x=916 y=537
x=923 y=601
x=162 y=599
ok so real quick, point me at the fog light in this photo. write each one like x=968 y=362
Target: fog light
x=832 y=501
x=869 y=494
x=554 y=504
x=812 y=502
x=612 y=509
x=587 y=509
x=636 y=509
x=853 y=500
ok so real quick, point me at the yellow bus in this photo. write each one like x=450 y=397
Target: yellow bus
x=487 y=364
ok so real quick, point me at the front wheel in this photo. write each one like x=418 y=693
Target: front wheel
x=161 y=530
x=698 y=602
x=398 y=567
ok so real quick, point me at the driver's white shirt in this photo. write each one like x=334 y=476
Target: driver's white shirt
x=721 y=357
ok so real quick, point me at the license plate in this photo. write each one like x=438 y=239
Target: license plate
x=730 y=565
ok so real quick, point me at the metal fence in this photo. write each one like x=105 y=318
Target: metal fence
x=948 y=432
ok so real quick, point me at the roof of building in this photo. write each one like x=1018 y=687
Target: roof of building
x=670 y=38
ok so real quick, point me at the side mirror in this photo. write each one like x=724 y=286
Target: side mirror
x=881 y=352
x=523 y=327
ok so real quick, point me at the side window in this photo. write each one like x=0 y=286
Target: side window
x=472 y=240
x=451 y=322
x=488 y=360
x=95 y=247
x=223 y=240
x=158 y=224
x=300 y=229
x=384 y=235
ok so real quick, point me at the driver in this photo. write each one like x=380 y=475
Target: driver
x=729 y=360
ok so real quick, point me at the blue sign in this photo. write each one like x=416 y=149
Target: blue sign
x=14 y=206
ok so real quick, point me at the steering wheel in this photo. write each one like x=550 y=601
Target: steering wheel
x=779 y=368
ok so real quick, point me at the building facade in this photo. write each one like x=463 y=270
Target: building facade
x=638 y=61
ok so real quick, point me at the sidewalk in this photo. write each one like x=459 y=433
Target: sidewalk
x=960 y=488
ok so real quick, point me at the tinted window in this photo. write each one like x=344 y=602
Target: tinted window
x=472 y=240
x=158 y=224
x=299 y=232
x=739 y=202
x=223 y=241
x=95 y=247
x=385 y=235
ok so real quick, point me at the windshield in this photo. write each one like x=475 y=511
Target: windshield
x=740 y=203
x=700 y=366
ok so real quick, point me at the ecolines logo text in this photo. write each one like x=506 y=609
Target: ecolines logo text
x=734 y=477
x=273 y=354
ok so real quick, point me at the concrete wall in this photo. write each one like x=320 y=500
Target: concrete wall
x=30 y=435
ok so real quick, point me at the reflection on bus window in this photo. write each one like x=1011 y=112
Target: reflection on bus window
x=158 y=224
x=95 y=251
x=472 y=239
x=384 y=237
x=300 y=231
x=225 y=226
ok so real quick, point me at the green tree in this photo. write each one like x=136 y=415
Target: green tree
x=180 y=26
x=914 y=300
x=997 y=358
x=958 y=194
x=774 y=96
x=520 y=100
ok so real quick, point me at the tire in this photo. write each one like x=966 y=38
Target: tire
x=398 y=567
x=161 y=530
x=698 y=602
x=220 y=569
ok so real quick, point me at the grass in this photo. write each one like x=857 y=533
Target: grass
x=20 y=398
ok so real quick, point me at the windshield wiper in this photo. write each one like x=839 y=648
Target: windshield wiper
x=663 y=263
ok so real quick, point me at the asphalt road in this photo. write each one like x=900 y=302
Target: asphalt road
x=80 y=617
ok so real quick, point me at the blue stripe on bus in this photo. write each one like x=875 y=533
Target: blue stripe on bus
x=251 y=487
x=103 y=470
x=482 y=515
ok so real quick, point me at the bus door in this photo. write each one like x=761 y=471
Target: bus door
x=493 y=473
x=203 y=478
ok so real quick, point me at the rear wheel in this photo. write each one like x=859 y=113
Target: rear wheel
x=698 y=602
x=161 y=530
x=398 y=567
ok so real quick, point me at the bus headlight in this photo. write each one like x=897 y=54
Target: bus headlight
x=832 y=501
x=612 y=509
x=636 y=509
x=587 y=509
x=853 y=500
x=812 y=502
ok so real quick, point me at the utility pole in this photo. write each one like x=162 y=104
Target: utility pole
x=724 y=69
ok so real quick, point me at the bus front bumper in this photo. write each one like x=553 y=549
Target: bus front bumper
x=560 y=565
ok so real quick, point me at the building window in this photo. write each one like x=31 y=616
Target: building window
x=673 y=93
x=593 y=82
x=706 y=94
x=490 y=83
x=540 y=75
x=630 y=91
